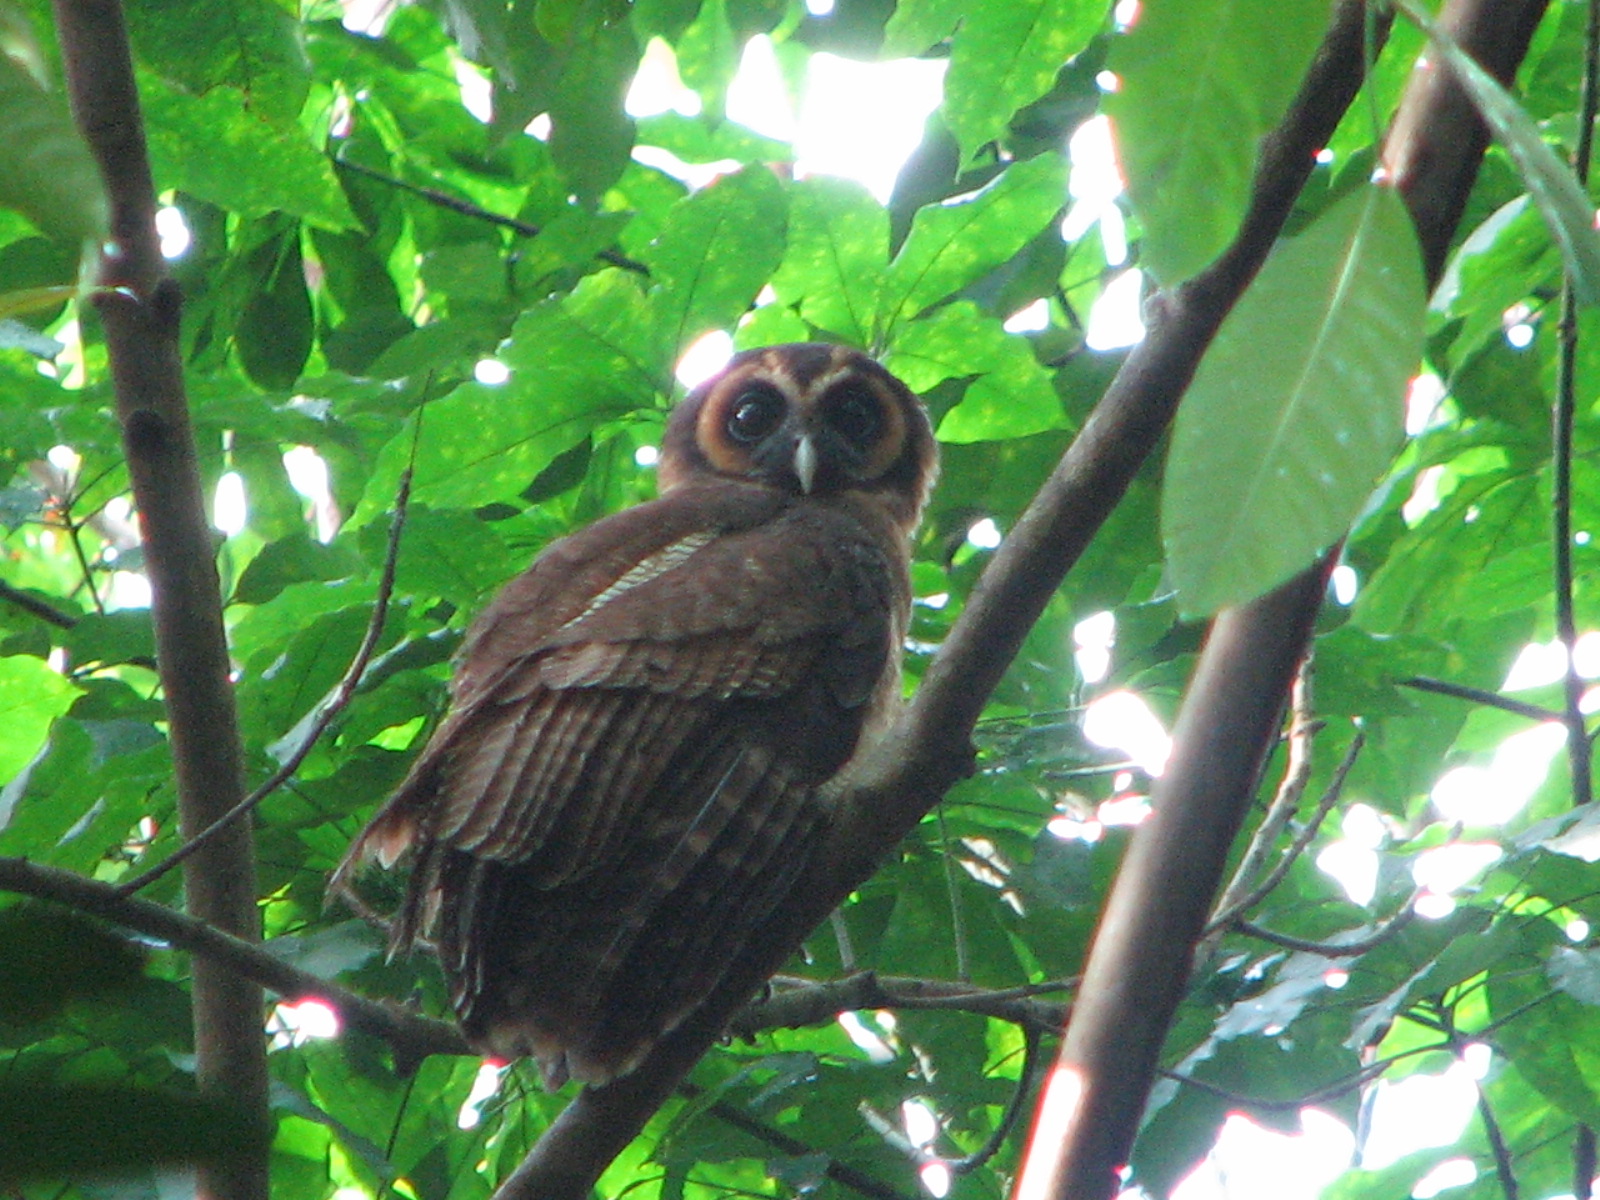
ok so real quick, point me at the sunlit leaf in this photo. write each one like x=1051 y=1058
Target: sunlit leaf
x=46 y=172
x=1005 y=56
x=1199 y=83
x=953 y=244
x=1297 y=407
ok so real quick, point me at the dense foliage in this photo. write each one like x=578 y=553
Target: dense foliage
x=362 y=244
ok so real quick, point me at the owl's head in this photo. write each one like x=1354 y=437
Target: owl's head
x=811 y=419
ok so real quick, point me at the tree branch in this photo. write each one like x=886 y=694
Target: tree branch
x=468 y=209
x=928 y=749
x=411 y=1036
x=1461 y=691
x=138 y=305
x=807 y=1002
x=1140 y=961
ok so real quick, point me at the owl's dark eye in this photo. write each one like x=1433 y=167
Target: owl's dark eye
x=856 y=415
x=754 y=415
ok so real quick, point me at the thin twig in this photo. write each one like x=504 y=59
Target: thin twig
x=468 y=209
x=1472 y=695
x=1583 y=1163
x=795 y=1004
x=33 y=605
x=83 y=559
x=958 y=919
x=1563 y=416
x=841 y=1173
x=1330 y=797
x=1497 y=1147
x=1334 y=949
x=1296 y=774
x=321 y=717
x=968 y=1163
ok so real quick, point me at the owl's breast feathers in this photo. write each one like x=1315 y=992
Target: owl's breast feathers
x=626 y=784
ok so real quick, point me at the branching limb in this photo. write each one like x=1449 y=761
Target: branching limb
x=795 y=1004
x=841 y=1173
x=31 y=604
x=412 y=1037
x=1140 y=961
x=1285 y=802
x=1350 y=949
x=1563 y=416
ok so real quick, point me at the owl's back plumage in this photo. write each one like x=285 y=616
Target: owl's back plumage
x=632 y=773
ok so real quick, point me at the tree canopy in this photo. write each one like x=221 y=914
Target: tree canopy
x=432 y=275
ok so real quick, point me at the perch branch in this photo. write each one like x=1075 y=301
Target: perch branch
x=929 y=748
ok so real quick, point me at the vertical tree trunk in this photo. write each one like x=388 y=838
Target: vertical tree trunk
x=139 y=307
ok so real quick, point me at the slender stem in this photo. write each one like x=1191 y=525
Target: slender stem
x=29 y=603
x=321 y=717
x=841 y=1173
x=468 y=209
x=1461 y=691
x=1583 y=1163
x=1562 y=419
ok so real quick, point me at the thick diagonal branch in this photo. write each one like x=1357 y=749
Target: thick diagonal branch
x=929 y=749
x=1139 y=964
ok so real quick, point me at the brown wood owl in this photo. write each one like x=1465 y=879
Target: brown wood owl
x=632 y=771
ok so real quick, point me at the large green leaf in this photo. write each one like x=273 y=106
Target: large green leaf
x=715 y=251
x=954 y=244
x=1297 y=407
x=838 y=249
x=223 y=150
x=1011 y=395
x=253 y=45
x=1005 y=56
x=1199 y=82
x=31 y=696
x=576 y=363
x=46 y=172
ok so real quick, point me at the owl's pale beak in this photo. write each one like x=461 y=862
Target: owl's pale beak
x=805 y=462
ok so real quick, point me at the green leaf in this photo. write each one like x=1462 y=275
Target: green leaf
x=1554 y=188
x=838 y=251
x=1011 y=395
x=53 y=956
x=46 y=172
x=714 y=253
x=274 y=333
x=1200 y=81
x=80 y=1130
x=31 y=696
x=222 y=150
x=576 y=363
x=918 y=24
x=956 y=243
x=1004 y=57
x=253 y=45
x=1297 y=406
